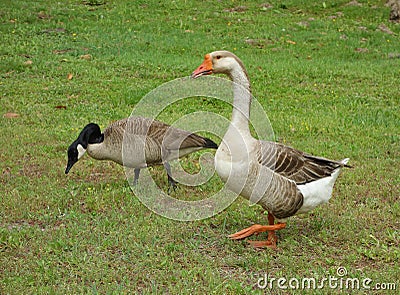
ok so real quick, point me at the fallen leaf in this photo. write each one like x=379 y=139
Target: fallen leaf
x=52 y=30
x=11 y=115
x=61 y=51
x=86 y=56
x=385 y=29
x=260 y=43
x=394 y=10
x=361 y=50
x=69 y=76
x=43 y=15
x=266 y=6
x=236 y=9
x=28 y=62
x=290 y=42
x=394 y=55
x=61 y=107
x=303 y=24
x=354 y=3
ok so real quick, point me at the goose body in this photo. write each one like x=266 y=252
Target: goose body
x=136 y=142
x=281 y=179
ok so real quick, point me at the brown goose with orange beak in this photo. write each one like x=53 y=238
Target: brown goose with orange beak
x=281 y=179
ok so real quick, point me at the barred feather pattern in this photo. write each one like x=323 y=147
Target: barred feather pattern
x=158 y=141
x=279 y=195
x=294 y=164
x=283 y=198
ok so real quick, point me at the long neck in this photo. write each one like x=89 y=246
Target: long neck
x=241 y=100
x=90 y=134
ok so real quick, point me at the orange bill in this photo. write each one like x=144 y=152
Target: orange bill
x=205 y=68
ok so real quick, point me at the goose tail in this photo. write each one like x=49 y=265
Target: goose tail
x=208 y=143
x=344 y=163
x=319 y=191
x=335 y=174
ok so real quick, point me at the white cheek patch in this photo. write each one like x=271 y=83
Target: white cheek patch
x=81 y=151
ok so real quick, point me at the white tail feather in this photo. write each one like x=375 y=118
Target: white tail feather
x=320 y=191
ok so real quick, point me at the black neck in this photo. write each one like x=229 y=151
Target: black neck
x=90 y=134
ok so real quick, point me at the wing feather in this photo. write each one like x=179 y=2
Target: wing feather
x=161 y=134
x=294 y=164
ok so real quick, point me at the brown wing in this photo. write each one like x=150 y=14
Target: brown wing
x=294 y=164
x=115 y=131
x=177 y=139
x=170 y=138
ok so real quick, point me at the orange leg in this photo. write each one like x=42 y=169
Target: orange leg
x=256 y=229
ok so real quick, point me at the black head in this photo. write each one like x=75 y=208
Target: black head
x=89 y=135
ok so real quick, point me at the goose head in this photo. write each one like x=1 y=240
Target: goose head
x=90 y=134
x=219 y=62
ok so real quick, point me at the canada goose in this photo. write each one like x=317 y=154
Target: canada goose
x=145 y=141
x=283 y=180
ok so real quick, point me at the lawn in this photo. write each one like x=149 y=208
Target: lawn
x=326 y=73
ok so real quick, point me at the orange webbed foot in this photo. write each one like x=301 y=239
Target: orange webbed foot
x=269 y=243
x=263 y=244
x=256 y=229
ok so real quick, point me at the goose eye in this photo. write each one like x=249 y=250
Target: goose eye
x=218 y=57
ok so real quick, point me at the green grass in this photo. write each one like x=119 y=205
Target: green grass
x=325 y=77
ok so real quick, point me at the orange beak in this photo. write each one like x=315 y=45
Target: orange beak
x=204 y=69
